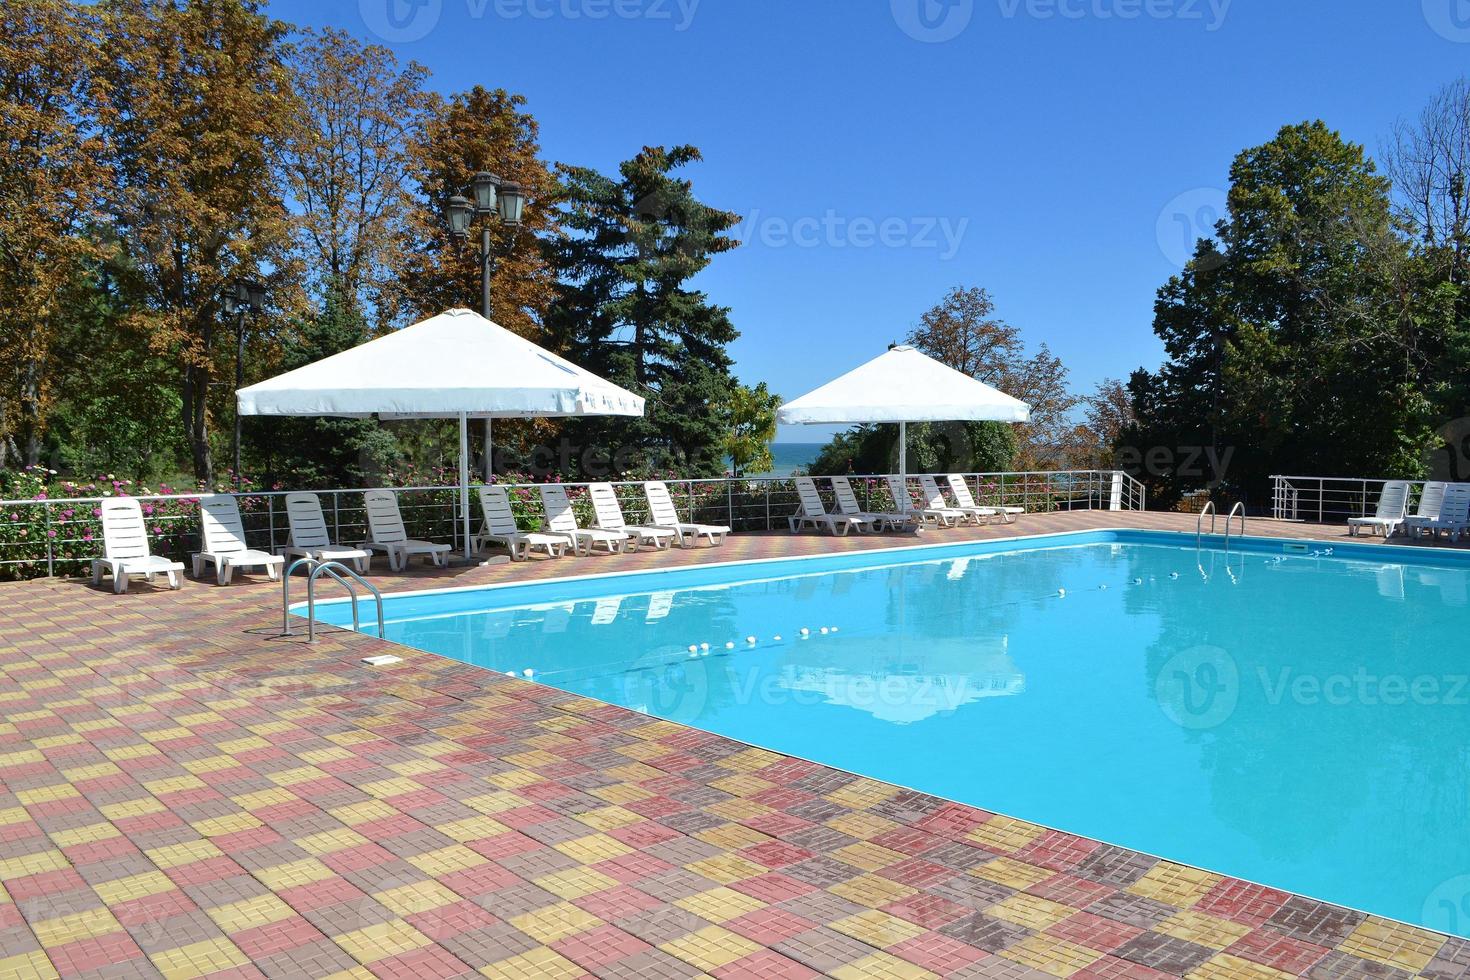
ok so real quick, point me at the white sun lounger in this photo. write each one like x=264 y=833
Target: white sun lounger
x=387 y=534
x=223 y=543
x=811 y=512
x=1431 y=502
x=500 y=528
x=847 y=503
x=610 y=518
x=561 y=520
x=941 y=517
x=1393 y=504
x=125 y=548
x=665 y=517
x=929 y=490
x=961 y=490
x=309 y=537
x=1454 y=513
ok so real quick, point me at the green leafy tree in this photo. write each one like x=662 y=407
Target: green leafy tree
x=751 y=415
x=626 y=311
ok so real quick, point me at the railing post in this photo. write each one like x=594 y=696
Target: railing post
x=50 y=549
x=270 y=506
x=730 y=503
x=768 y=504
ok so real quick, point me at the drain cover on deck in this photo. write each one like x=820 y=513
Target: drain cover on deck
x=385 y=660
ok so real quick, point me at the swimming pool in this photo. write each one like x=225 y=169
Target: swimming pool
x=1283 y=713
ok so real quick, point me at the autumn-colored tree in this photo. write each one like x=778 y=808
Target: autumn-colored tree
x=50 y=176
x=479 y=130
x=348 y=166
x=193 y=97
x=1108 y=414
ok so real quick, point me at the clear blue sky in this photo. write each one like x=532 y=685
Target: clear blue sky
x=1053 y=151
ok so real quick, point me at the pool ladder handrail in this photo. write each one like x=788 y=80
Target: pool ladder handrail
x=335 y=570
x=1239 y=508
x=1199 y=524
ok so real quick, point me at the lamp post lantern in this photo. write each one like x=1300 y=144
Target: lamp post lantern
x=492 y=197
x=240 y=300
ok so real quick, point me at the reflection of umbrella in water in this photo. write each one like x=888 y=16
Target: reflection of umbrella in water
x=866 y=674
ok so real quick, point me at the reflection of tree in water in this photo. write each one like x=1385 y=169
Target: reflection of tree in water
x=1291 y=775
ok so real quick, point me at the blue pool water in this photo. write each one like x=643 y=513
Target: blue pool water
x=1293 y=719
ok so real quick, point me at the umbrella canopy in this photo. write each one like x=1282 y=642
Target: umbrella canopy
x=904 y=385
x=454 y=365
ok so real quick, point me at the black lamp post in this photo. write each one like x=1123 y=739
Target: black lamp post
x=492 y=197
x=245 y=297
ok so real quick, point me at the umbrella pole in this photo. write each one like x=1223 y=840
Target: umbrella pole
x=464 y=478
x=489 y=452
x=903 y=452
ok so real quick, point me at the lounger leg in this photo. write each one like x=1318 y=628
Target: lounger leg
x=198 y=565
x=224 y=571
x=273 y=572
x=119 y=581
x=96 y=573
x=361 y=564
x=174 y=581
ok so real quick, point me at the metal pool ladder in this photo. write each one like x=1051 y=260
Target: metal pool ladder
x=1239 y=509
x=1199 y=524
x=335 y=570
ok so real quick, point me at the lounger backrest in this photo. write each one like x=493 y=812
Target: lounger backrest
x=500 y=520
x=559 y=516
x=219 y=519
x=961 y=490
x=1431 y=499
x=605 y=505
x=385 y=523
x=932 y=493
x=308 y=524
x=1456 y=508
x=1393 y=502
x=811 y=501
x=847 y=501
x=899 y=488
x=660 y=504
x=123 y=532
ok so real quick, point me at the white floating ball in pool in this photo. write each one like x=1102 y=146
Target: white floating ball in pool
x=529 y=672
x=750 y=640
x=834 y=629
x=777 y=637
x=1138 y=581
x=704 y=646
x=1061 y=593
x=1103 y=587
x=1173 y=574
x=730 y=645
x=510 y=673
x=805 y=631
x=825 y=631
x=693 y=648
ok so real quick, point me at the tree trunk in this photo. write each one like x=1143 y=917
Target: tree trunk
x=196 y=409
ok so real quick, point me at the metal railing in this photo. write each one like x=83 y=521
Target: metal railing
x=61 y=536
x=1329 y=499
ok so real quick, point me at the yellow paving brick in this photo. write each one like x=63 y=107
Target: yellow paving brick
x=364 y=812
x=710 y=948
x=131 y=808
x=1004 y=834
x=872 y=890
x=381 y=940
x=282 y=876
x=318 y=756
x=868 y=856
x=741 y=784
x=731 y=836
x=1011 y=873
x=248 y=913
x=534 y=758
x=386 y=788
x=1204 y=930
x=127 y=753
x=1227 y=967
x=543 y=963
x=593 y=848
x=1393 y=943
x=514 y=779
x=608 y=818
x=547 y=925
x=1175 y=884
x=261 y=799
x=725 y=868
x=32 y=864
x=176 y=855
x=621 y=793
x=863 y=826
x=89 y=834
x=95 y=771
x=575 y=882
x=213 y=763
x=1050 y=955
x=24 y=757
x=719 y=904
x=883 y=966
x=877 y=929
x=31 y=966
x=862 y=794
x=79 y=925
x=47 y=794
x=447 y=860
x=14 y=815
x=737 y=809
x=1031 y=911
x=493 y=803
x=417 y=767
x=234 y=823
x=249 y=743
x=298 y=775
x=133 y=886
x=199 y=959
x=421 y=896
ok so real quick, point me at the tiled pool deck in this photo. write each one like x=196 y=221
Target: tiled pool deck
x=183 y=793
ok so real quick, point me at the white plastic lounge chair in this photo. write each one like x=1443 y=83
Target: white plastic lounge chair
x=811 y=512
x=961 y=490
x=847 y=503
x=561 y=520
x=500 y=528
x=1393 y=504
x=224 y=542
x=929 y=490
x=309 y=537
x=125 y=548
x=942 y=517
x=1431 y=501
x=1454 y=513
x=610 y=518
x=665 y=517
x=387 y=534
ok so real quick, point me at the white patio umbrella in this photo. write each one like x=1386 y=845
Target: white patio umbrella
x=455 y=365
x=903 y=385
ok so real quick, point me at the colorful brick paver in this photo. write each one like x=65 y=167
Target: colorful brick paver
x=185 y=793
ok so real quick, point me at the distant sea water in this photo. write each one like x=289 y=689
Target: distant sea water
x=788 y=457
